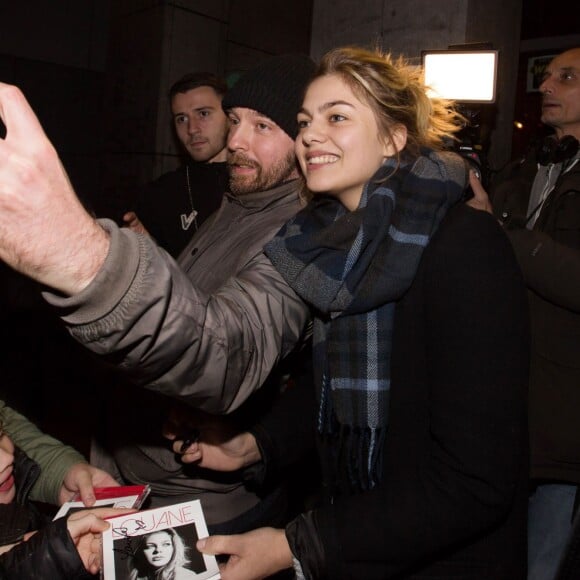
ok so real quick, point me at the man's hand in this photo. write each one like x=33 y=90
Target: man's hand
x=131 y=220
x=480 y=199
x=217 y=443
x=45 y=232
x=82 y=478
x=252 y=556
x=85 y=528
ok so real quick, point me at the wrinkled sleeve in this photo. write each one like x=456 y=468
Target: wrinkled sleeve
x=50 y=553
x=143 y=314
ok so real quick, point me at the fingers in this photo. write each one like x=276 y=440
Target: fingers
x=102 y=513
x=94 y=558
x=19 y=118
x=256 y=554
x=110 y=512
x=85 y=486
x=131 y=220
x=480 y=199
x=84 y=523
x=190 y=452
x=217 y=545
x=191 y=438
x=184 y=436
x=101 y=478
x=85 y=528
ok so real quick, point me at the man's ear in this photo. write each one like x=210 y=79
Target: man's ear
x=398 y=142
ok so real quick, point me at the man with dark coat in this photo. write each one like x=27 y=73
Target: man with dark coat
x=539 y=206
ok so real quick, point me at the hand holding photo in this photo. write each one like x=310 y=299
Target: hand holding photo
x=158 y=543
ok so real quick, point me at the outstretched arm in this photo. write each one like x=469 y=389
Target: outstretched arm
x=64 y=471
x=125 y=298
x=45 y=232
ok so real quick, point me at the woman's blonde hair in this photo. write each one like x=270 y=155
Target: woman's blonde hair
x=140 y=569
x=396 y=93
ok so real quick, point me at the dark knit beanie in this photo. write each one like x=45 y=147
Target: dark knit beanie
x=274 y=88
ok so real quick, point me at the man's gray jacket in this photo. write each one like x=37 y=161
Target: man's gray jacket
x=207 y=330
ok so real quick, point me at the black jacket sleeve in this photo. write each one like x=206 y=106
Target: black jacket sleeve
x=50 y=554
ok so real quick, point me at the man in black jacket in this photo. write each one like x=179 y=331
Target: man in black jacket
x=172 y=207
x=539 y=206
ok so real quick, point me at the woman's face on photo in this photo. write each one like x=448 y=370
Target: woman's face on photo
x=7 y=489
x=339 y=147
x=158 y=549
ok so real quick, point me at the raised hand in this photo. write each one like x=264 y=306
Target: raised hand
x=85 y=528
x=45 y=232
x=252 y=556
x=82 y=478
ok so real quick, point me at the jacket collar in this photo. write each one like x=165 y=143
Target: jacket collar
x=261 y=199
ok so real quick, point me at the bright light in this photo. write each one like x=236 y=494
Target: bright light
x=461 y=75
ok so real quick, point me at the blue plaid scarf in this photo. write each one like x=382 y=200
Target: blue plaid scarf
x=352 y=267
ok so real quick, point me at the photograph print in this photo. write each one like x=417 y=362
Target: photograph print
x=156 y=544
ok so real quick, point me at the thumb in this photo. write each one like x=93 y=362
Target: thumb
x=85 y=485
x=213 y=545
x=204 y=546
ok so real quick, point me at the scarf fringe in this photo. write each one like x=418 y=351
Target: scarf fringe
x=359 y=451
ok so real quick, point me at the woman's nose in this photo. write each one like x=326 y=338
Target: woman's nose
x=312 y=133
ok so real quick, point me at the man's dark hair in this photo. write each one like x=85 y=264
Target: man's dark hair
x=198 y=79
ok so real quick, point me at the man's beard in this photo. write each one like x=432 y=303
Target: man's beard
x=262 y=179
